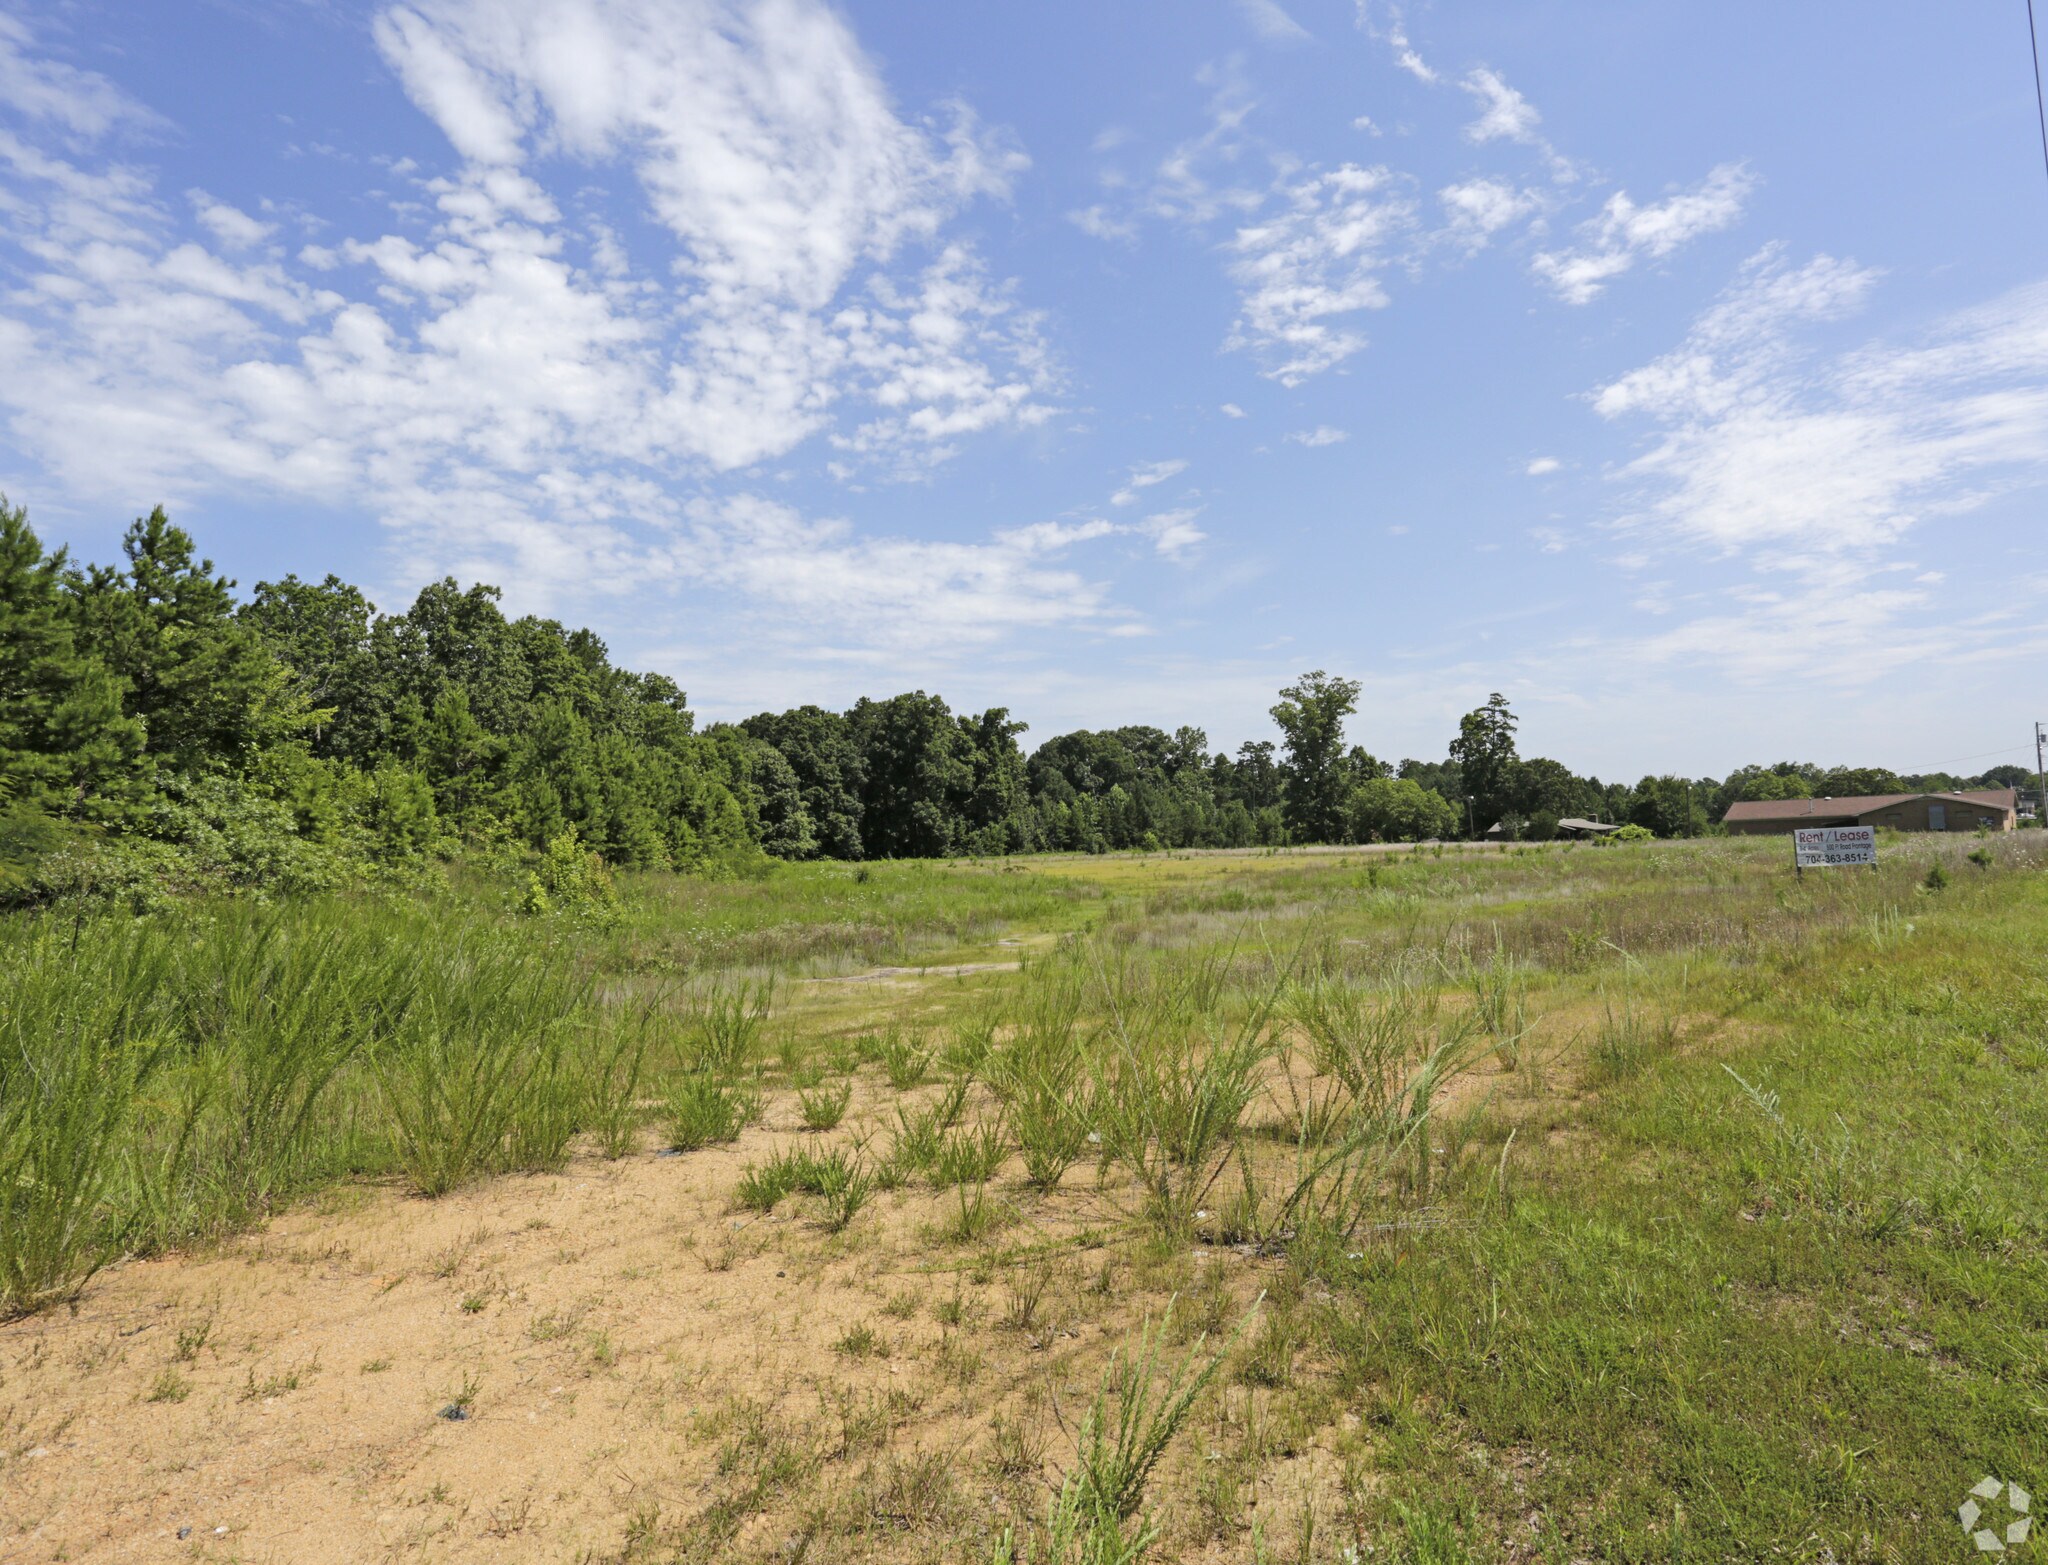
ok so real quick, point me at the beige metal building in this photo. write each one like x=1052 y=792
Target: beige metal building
x=1979 y=809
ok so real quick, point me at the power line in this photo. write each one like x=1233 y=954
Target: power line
x=2040 y=104
x=1980 y=755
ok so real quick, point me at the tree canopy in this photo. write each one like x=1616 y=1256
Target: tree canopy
x=301 y=736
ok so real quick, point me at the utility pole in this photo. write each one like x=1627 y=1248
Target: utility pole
x=2041 y=775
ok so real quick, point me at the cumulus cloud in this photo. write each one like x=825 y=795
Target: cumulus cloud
x=1306 y=270
x=1477 y=209
x=1625 y=233
x=506 y=370
x=1321 y=435
x=229 y=225
x=899 y=594
x=1505 y=115
x=1543 y=465
x=1231 y=410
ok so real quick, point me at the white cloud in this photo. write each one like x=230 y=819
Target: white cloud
x=1504 y=113
x=1271 y=22
x=1395 y=32
x=1303 y=270
x=1173 y=533
x=1478 y=209
x=1185 y=186
x=1543 y=465
x=83 y=103
x=892 y=593
x=1321 y=435
x=1144 y=476
x=1231 y=410
x=1100 y=222
x=1811 y=467
x=503 y=371
x=1625 y=233
x=231 y=226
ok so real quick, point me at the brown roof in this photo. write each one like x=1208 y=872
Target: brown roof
x=1863 y=804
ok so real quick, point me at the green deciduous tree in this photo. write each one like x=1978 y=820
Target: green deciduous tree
x=1398 y=809
x=1485 y=753
x=1311 y=714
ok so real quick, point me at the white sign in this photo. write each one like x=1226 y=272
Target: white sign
x=1817 y=847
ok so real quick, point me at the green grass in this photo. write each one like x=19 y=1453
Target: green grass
x=1693 y=1210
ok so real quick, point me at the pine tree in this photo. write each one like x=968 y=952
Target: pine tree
x=65 y=746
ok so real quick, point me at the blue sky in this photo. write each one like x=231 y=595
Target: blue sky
x=1677 y=370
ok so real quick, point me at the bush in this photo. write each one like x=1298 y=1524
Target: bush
x=571 y=881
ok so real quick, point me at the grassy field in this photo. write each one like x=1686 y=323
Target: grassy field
x=1565 y=1204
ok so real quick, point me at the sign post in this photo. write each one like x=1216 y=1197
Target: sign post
x=1824 y=847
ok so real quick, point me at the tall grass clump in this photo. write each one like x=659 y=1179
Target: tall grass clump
x=726 y=1025
x=1499 y=988
x=701 y=1110
x=77 y=1041
x=474 y=1079
x=1172 y=1075
x=1097 y=1517
x=1041 y=1075
x=615 y=1061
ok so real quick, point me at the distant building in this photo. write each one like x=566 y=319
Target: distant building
x=1985 y=809
x=1570 y=826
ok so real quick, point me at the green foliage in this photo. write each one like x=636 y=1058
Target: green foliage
x=572 y=881
x=473 y=1075
x=823 y=1107
x=1311 y=714
x=702 y=1109
x=1095 y=1518
x=66 y=746
x=1398 y=809
x=1485 y=753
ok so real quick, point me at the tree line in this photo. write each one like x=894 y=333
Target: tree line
x=158 y=731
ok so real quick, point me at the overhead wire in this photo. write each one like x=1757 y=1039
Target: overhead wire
x=2040 y=104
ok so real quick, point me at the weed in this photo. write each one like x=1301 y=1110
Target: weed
x=969 y=1157
x=862 y=1342
x=1023 y=1297
x=824 y=1108
x=192 y=1336
x=976 y=1215
x=906 y=1058
x=727 y=1021
x=1124 y=1432
x=170 y=1386
x=701 y=1110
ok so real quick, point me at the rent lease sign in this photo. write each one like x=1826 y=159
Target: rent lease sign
x=1816 y=847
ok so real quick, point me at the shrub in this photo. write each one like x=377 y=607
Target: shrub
x=571 y=881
